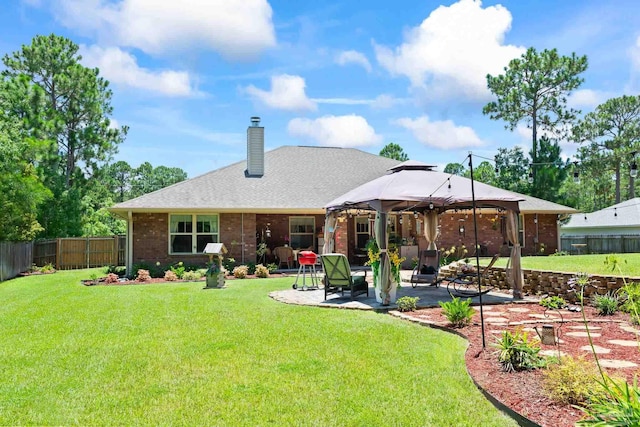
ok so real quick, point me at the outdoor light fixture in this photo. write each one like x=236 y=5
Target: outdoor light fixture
x=530 y=178
x=634 y=166
x=267 y=231
x=415 y=214
x=535 y=219
x=461 y=229
x=615 y=211
x=576 y=173
x=449 y=183
x=400 y=220
x=431 y=205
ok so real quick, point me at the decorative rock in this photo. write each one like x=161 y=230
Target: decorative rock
x=582 y=334
x=596 y=348
x=552 y=353
x=583 y=328
x=625 y=343
x=630 y=329
x=519 y=310
x=616 y=364
x=542 y=316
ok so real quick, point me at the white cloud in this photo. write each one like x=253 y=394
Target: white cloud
x=114 y=124
x=287 y=93
x=587 y=98
x=335 y=131
x=440 y=134
x=353 y=57
x=634 y=52
x=387 y=101
x=120 y=67
x=237 y=29
x=453 y=50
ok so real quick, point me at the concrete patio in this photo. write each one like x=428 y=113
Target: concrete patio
x=429 y=296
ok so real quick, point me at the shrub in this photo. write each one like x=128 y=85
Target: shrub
x=573 y=381
x=229 y=263
x=517 y=353
x=111 y=278
x=240 y=272
x=618 y=406
x=458 y=312
x=119 y=270
x=47 y=268
x=262 y=271
x=192 y=276
x=143 y=275
x=178 y=269
x=272 y=267
x=170 y=276
x=251 y=268
x=407 y=303
x=553 y=302
x=606 y=304
x=630 y=294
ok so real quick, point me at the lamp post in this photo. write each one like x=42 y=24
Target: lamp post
x=633 y=173
x=475 y=233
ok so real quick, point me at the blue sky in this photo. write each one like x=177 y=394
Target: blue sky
x=187 y=75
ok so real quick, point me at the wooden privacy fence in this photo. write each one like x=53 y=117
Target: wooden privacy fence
x=15 y=258
x=600 y=244
x=80 y=252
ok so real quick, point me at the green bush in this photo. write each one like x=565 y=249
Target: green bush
x=407 y=303
x=119 y=270
x=229 y=263
x=262 y=271
x=606 y=304
x=272 y=267
x=619 y=405
x=178 y=269
x=573 y=381
x=192 y=276
x=458 y=312
x=251 y=268
x=553 y=302
x=517 y=353
x=630 y=294
x=240 y=272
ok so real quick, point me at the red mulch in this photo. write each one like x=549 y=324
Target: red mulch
x=522 y=391
x=100 y=281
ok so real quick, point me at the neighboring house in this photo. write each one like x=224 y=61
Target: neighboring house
x=278 y=197
x=612 y=229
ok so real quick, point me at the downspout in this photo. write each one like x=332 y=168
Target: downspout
x=242 y=234
x=129 y=242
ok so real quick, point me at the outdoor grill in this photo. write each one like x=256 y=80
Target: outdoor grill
x=307 y=260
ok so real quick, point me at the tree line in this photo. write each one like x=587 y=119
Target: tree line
x=533 y=91
x=57 y=142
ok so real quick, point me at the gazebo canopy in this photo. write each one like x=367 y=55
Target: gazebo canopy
x=415 y=186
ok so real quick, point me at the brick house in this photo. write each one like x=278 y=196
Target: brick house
x=278 y=197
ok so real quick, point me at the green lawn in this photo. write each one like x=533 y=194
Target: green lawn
x=174 y=354
x=592 y=264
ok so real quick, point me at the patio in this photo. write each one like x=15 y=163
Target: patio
x=429 y=296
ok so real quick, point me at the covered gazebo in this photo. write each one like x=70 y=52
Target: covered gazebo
x=415 y=187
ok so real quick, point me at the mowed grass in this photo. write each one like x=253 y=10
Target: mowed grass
x=592 y=264
x=175 y=354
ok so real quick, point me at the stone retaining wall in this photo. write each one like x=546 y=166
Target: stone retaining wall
x=537 y=282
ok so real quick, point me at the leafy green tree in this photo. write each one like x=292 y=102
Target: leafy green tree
x=611 y=132
x=21 y=191
x=74 y=114
x=534 y=89
x=512 y=167
x=145 y=178
x=455 y=169
x=394 y=151
x=551 y=171
x=484 y=172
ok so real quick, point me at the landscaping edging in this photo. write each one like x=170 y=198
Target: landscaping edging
x=516 y=416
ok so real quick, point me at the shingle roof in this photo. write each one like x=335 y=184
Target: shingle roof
x=625 y=214
x=295 y=179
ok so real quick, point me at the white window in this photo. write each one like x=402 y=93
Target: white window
x=363 y=233
x=184 y=238
x=302 y=231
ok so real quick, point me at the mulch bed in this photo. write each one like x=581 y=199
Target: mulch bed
x=522 y=391
x=101 y=280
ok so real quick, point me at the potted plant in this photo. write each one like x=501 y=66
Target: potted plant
x=374 y=261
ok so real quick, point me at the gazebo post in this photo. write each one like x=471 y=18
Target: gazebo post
x=475 y=232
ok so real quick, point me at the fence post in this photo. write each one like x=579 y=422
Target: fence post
x=58 y=253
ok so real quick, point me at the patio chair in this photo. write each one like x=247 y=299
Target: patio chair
x=284 y=254
x=426 y=271
x=466 y=284
x=338 y=277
